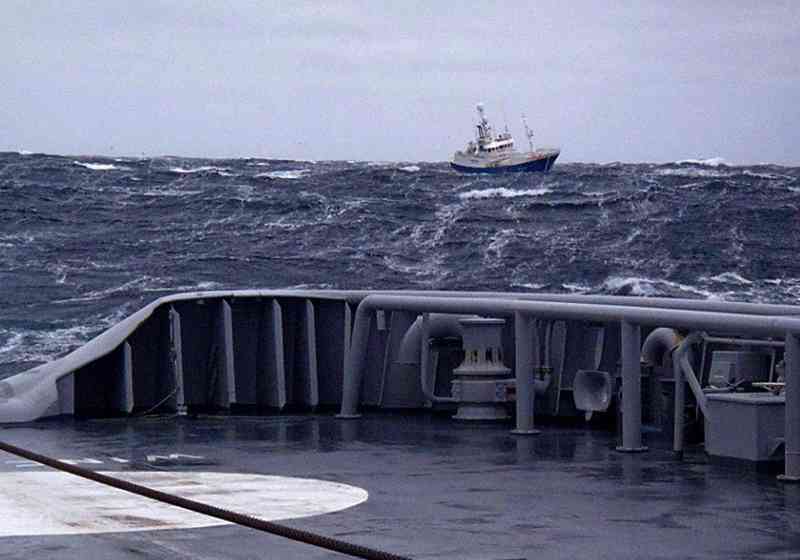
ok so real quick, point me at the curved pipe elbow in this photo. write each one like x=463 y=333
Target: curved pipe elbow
x=540 y=385
x=658 y=344
x=439 y=325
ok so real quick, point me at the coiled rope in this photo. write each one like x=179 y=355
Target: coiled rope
x=307 y=537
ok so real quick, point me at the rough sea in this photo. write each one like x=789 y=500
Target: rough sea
x=86 y=241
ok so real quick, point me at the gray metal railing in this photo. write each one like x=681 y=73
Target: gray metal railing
x=630 y=316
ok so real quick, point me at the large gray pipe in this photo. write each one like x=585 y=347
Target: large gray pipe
x=626 y=301
x=415 y=346
x=682 y=368
x=662 y=341
x=440 y=325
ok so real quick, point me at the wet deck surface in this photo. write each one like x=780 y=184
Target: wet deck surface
x=437 y=489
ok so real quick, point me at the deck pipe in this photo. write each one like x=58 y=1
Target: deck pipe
x=682 y=368
x=631 y=317
x=661 y=341
x=414 y=347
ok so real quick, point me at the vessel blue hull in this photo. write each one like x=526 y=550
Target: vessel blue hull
x=543 y=165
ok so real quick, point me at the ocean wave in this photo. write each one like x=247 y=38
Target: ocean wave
x=410 y=168
x=576 y=288
x=767 y=176
x=430 y=268
x=223 y=171
x=710 y=162
x=101 y=166
x=199 y=287
x=30 y=345
x=529 y=286
x=596 y=194
x=493 y=254
x=502 y=192
x=170 y=192
x=140 y=284
x=728 y=278
x=694 y=172
x=286 y=175
x=642 y=286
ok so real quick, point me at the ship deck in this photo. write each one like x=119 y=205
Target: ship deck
x=437 y=489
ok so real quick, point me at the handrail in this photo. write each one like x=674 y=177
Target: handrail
x=630 y=317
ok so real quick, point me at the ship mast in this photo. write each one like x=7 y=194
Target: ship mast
x=528 y=132
x=484 y=129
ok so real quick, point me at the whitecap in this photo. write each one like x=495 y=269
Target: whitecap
x=729 y=278
x=100 y=166
x=597 y=193
x=27 y=345
x=493 y=253
x=633 y=235
x=768 y=176
x=430 y=268
x=141 y=283
x=169 y=192
x=529 y=285
x=575 y=287
x=710 y=162
x=200 y=286
x=410 y=168
x=502 y=192
x=201 y=169
x=287 y=175
x=641 y=286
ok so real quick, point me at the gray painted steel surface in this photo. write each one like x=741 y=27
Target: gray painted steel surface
x=296 y=348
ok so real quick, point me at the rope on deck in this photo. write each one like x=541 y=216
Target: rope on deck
x=307 y=537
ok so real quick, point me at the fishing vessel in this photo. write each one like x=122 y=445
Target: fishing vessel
x=495 y=153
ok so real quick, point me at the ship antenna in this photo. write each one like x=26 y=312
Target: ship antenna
x=528 y=132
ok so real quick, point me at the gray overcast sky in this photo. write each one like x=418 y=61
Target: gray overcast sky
x=606 y=81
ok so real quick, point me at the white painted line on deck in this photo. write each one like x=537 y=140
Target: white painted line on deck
x=56 y=503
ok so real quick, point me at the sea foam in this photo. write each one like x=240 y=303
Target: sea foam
x=710 y=162
x=501 y=192
x=288 y=175
x=99 y=166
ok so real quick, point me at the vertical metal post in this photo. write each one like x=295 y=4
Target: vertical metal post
x=792 y=419
x=680 y=403
x=424 y=354
x=312 y=395
x=176 y=358
x=354 y=372
x=227 y=394
x=523 y=371
x=127 y=378
x=348 y=332
x=631 y=388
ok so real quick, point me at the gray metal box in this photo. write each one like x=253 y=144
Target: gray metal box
x=745 y=425
x=731 y=366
